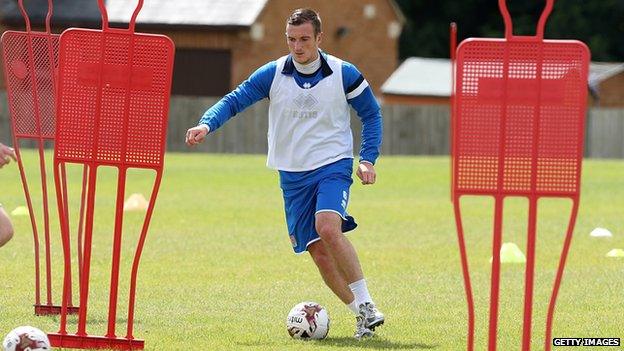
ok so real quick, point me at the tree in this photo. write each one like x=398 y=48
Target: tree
x=598 y=23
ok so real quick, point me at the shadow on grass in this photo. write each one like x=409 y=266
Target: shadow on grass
x=73 y=319
x=374 y=343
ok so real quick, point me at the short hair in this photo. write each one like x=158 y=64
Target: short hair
x=305 y=15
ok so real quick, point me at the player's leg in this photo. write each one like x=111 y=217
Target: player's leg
x=347 y=263
x=331 y=223
x=6 y=228
x=300 y=207
x=338 y=246
x=330 y=273
x=329 y=228
x=325 y=190
x=346 y=266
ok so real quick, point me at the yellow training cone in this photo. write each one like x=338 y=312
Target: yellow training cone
x=20 y=211
x=511 y=253
x=136 y=202
x=615 y=253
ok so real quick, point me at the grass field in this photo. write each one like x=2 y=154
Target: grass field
x=218 y=272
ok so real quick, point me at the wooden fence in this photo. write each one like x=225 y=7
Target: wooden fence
x=408 y=130
x=605 y=133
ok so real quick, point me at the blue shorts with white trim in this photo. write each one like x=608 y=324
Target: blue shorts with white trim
x=307 y=193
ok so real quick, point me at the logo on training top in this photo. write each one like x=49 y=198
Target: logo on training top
x=293 y=241
x=306 y=101
x=305 y=104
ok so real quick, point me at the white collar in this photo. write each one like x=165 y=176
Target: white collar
x=310 y=67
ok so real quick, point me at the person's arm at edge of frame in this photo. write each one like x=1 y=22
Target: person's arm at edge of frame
x=6 y=228
x=360 y=96
x=252 y=90
x=6 y=154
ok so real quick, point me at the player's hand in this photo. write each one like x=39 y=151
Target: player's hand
x=6 y=154
x=366 y=172
x=196 y=135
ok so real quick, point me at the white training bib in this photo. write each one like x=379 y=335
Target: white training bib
x=308 y=128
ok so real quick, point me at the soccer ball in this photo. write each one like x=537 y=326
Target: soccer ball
x=26 y=338
x=308 y=320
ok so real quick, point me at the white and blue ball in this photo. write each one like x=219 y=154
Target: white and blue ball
x=308 y=320
x=26 y=338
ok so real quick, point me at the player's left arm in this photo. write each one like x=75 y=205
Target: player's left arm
x=360 y=96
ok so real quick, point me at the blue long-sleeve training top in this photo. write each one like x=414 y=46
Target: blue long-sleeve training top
x=258 y=86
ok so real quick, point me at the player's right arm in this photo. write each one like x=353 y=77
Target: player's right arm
x=252 y=90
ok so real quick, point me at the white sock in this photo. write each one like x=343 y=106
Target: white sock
x=360 y=291
x=354 y=308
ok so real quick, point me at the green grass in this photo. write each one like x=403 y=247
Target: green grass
x=218 y=270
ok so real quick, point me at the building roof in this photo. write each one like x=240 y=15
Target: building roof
x=216 y=13
x=397 y=11
x=419 y=76
x=600 y=71
x=189 y=12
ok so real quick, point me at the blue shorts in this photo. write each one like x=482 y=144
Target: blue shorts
x=325 y=189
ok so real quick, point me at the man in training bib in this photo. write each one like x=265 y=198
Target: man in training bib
x=311 y=145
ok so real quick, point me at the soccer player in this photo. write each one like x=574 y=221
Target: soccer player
x=6 y=228
x=311 y=145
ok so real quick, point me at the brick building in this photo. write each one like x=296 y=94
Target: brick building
x=219 y=44
x=606 y=84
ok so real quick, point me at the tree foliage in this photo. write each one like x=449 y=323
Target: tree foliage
x=598 y=23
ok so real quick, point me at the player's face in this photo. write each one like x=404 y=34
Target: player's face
x=302 y=42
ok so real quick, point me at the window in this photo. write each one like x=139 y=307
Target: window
x=201 y=72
